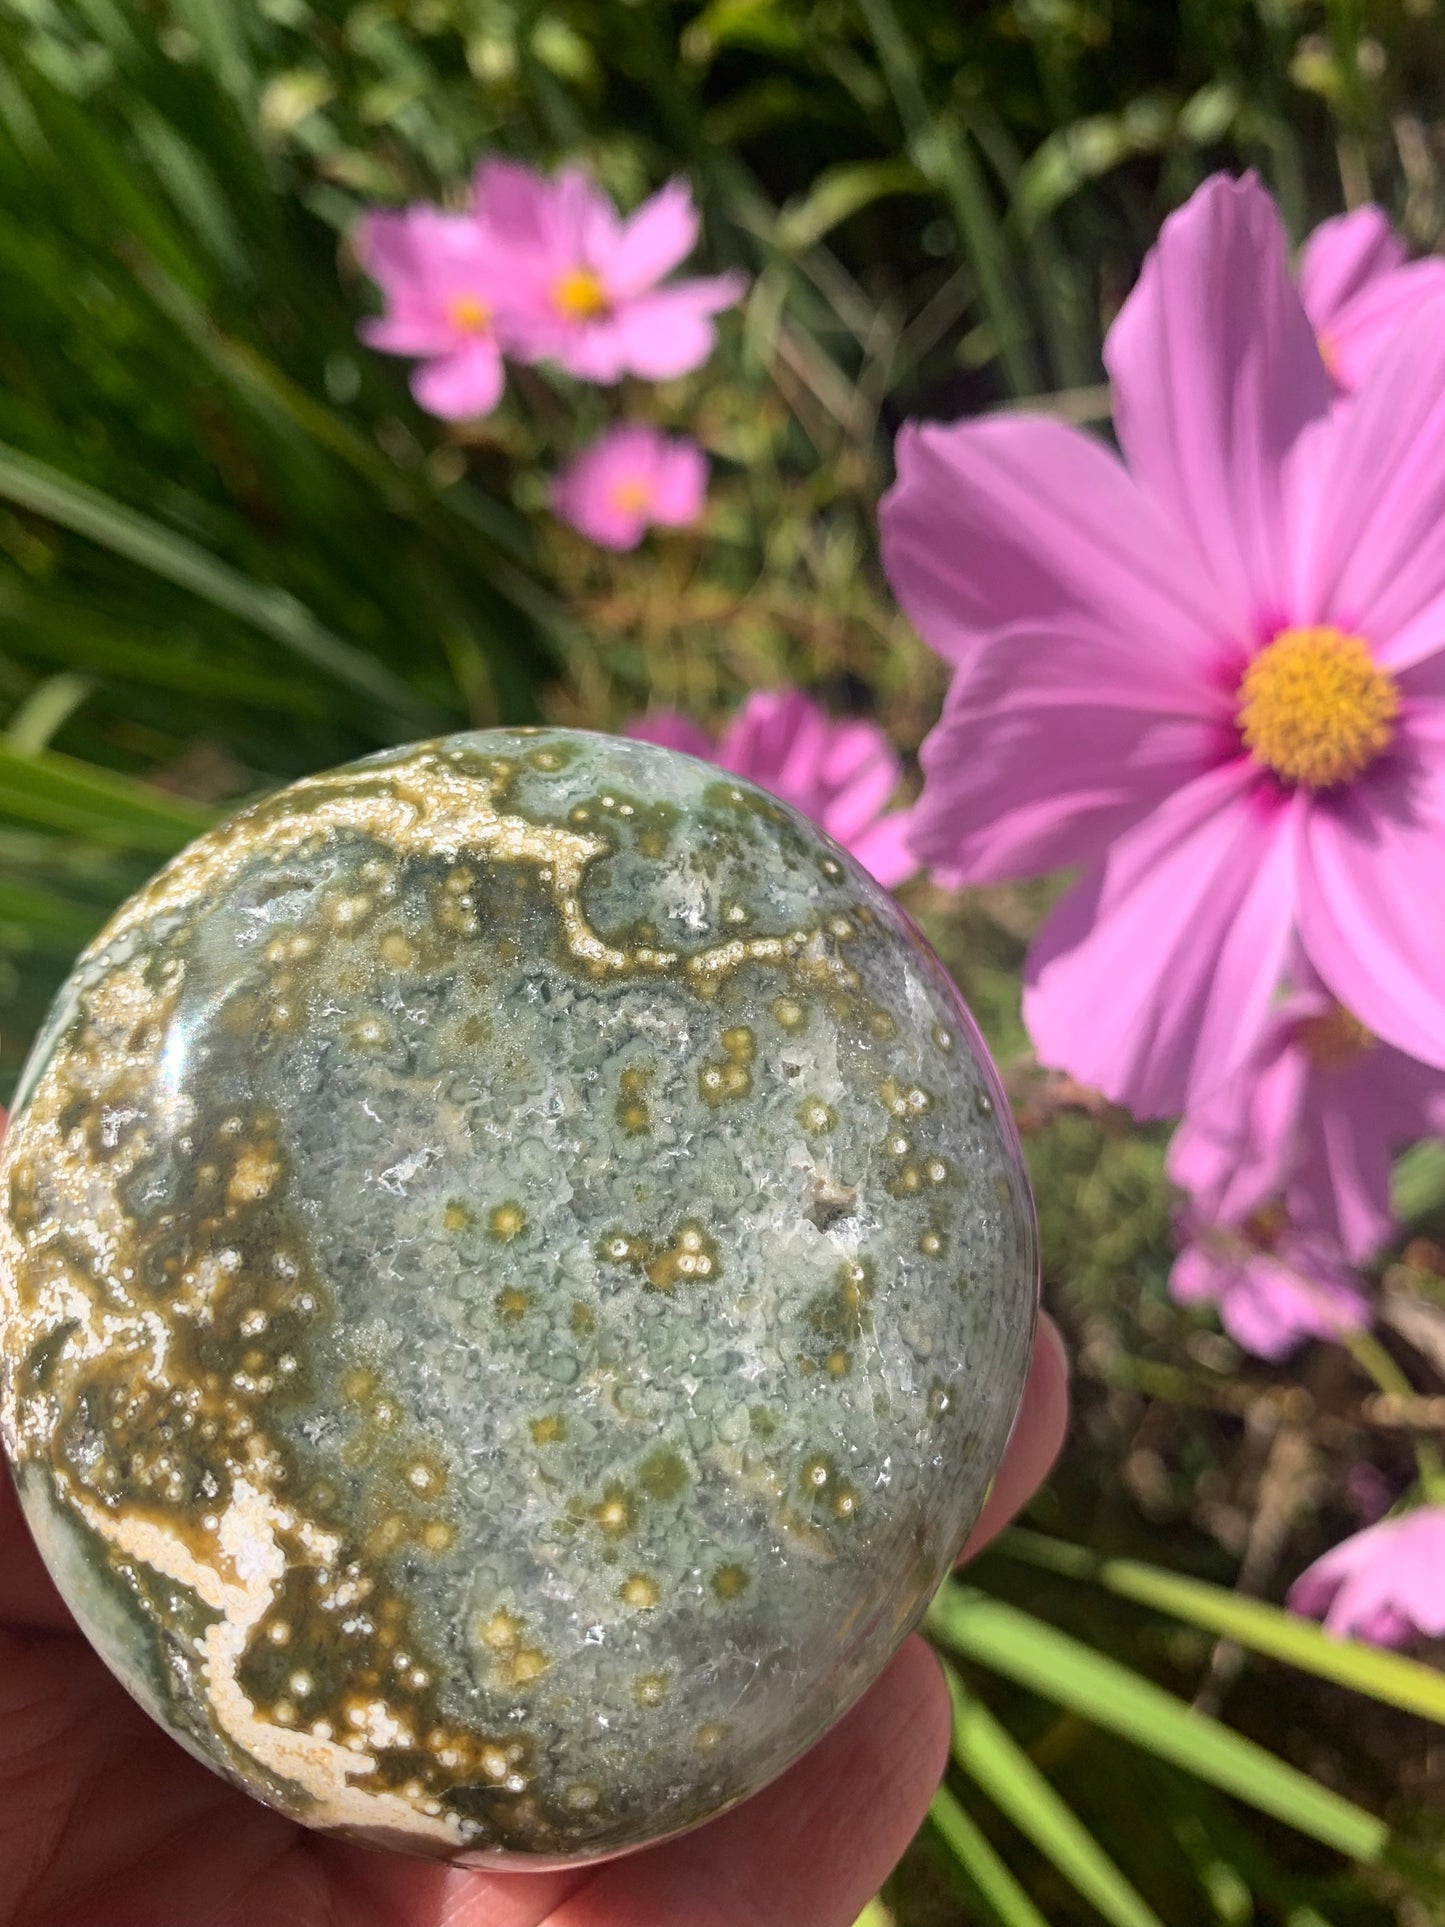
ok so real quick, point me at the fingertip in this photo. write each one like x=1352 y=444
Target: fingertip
x=1036 y=1440
x=1048 y=1385
x=932 y=1710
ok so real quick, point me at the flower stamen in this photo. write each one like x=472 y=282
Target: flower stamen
x=1334 y=1038
x=631 y=496
x=580 y=295
x=471 y=316
x=1315 y=708
x=1265 y=1227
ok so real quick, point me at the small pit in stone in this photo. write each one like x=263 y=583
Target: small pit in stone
x=831 y=1202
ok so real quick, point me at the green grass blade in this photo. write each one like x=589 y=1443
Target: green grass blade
x=1069 y=326
x=276 y=612
x=1071 y=157
x=193 y=193
x=999 y=1766
x=48 y=630
x=266 y=385
x=106 y=19
x=981 y=1867
x=61 y=793
x=944 y=157
x=41 y=915
x=1071 y=1674
x=1418 y=1182
x=261 y=381
x=875 y=1914
x=839 y=192
x=47 y=708
x=1253 y=1623
x=222 y=42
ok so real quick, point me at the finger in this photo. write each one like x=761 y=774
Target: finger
x=811 y=1849
x=100 y=1811
x=383 y=1890
x=1035 y=1442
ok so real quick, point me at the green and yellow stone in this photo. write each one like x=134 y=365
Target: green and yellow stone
x=516 y=1276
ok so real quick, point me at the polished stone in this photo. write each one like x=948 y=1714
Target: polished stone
x=517 y=1274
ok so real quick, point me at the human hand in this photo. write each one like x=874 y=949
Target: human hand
x=106 y=1822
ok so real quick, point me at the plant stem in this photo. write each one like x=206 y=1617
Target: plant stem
x=950 y=166
x=1376 y=1363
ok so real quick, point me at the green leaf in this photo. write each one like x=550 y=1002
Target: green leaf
x=1071 y=1674
x=289 y=98
x=1253 y=1623
x=944 y=156
x=219 y=35
x=981 y=1866
x=1087 y=149
x=562 y=50
x=64 y=794
x=839 y=192
x=1000 y=1768
x=1418 y=1182
x=40 y=913
x=1207 y=115
x=288 y=402
x=194 y=193
x=762 y=24
x=63 y=631
x=47 y=708
x=875 y=1914
x=1061 y=165
x=274 y=611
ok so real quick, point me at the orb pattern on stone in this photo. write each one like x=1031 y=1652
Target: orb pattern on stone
x=517 y=1274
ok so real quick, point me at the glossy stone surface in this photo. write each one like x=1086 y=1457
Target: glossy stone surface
x=516 y=1278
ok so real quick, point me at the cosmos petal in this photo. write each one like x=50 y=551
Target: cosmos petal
x=1343 y=257
x=1192 y=910
x=1372 y=892
x=1021 y=520
x=1370 y=514
x=1052 y=743
x=1215 y=374
x=461 y=385
x=654 y=240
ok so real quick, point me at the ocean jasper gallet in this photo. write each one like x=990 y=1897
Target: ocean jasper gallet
x=517 y=1274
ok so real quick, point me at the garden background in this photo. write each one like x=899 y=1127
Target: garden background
x=233 y=550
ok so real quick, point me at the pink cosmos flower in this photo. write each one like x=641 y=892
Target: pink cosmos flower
x=1214 y=676
x=841 y=774
x=445 y=279
x=1368 y=1491
x=1274 y=1285
x=1385 y=1584
x=585 y=282
x=629 y=479
x=1312 y=1121
x=1358 y=287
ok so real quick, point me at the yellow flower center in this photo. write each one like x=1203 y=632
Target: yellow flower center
x=1264 y=1228
x=464 y=311
x=580 y=295
x=1333 y=1039
x=631 y=496
x=1315 y=708
x=1329 y=355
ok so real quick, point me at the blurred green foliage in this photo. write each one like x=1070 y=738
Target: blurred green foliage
x=231 y=549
